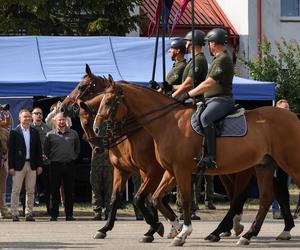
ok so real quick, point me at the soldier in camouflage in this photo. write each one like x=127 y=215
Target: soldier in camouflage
x=101 y=179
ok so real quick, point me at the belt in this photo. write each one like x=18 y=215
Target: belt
x=61 y=163
x=27 y=160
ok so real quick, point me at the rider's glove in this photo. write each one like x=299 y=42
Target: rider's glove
x=182 y=98
x=166 y=87
x=153 y=84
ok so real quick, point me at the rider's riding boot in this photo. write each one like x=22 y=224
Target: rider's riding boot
x=209 y=160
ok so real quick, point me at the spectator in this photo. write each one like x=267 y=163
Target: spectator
x=282 y=176
x=25 y=163
x=208 y=188
x=43 y=180
x=62 y=147
x=5 y=121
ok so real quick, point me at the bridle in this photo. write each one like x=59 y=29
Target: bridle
x=118 y=131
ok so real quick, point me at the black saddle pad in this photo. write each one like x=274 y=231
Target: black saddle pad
x=232 y=126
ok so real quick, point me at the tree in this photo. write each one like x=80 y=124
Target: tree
x=68 y=17
x=281 y=66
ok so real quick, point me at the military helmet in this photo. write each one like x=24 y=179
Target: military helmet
x=220 y=36
x=178 y=43
x=198 y=37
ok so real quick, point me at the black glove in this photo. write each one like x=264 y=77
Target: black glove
x=153 y=84
x=165 y=86
x=182 y=98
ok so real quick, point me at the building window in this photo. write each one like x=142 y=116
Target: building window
x=290 y=8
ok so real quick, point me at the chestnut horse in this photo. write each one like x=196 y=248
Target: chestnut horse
x=236 y=188
x=235 y=185
x=176 y=146
x=126 y=158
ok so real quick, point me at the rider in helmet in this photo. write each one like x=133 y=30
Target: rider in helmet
x=217 y=91
x=200 y=63
x=176 y=52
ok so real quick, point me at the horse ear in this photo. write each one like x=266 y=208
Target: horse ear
x=107 y=83
x=111 y=80
x=88 y=70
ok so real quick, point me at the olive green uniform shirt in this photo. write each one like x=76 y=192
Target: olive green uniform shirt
x=221 y=71
x=175 y=75
x=200 y=69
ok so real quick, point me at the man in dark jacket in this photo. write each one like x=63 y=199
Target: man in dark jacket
x=24 y=163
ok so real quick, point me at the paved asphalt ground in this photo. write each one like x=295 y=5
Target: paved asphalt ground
x=45 y=235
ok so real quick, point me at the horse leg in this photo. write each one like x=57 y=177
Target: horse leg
x=264 y=174
x=147 y=186
x=166 y=185
x=120 y=179
x=237 y=193
x=184 y=184
x=283 y=197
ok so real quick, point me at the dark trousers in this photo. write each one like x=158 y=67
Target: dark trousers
x=44 y=185
x=62 y=173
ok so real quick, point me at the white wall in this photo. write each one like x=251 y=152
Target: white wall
x=274 y=26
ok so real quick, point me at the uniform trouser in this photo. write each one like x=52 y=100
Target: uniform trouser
x=101 y=179
x=3 y=177
x=136 y=180
x=29 y=176
x=62 y=172
x=44 y=184
x=283 y=179
x=216 y=108
x=209 y=187
x=194 y=200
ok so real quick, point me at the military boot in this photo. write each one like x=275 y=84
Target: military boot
x=209 y=160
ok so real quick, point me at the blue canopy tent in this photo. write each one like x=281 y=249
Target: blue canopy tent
x=52 y=66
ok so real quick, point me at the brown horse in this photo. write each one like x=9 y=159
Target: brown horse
x=178 y=144
x=234 y=184
x=236 y=188
x=126 y=158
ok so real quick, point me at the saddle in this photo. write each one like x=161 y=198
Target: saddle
x=233 y=124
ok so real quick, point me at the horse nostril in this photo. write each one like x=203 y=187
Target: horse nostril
x=62 y=109
x=96 y=130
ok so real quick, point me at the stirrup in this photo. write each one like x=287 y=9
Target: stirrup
x=207 y=162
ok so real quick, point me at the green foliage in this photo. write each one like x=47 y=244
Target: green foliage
x=281 y=66
x=68 y=17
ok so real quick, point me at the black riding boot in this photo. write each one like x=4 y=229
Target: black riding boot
x=209 y=160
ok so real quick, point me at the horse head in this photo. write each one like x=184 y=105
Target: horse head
x=109 y=110
x=89 y=86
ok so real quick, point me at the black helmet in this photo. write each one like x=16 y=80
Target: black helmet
x=198 y=37
x=217 y=35
x=178 y=43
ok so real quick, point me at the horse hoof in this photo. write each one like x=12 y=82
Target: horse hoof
x=285 y=235
x=243 y=242
x=212 y=238
x=225 y=234
x=172 y=234
x=238 y=230
x=99 y=235
x=160 y=230
x=178 y=241
x=146 y=239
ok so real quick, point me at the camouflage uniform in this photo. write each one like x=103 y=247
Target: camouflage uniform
x=43 y=180
x=136 y=180
x=101 y=179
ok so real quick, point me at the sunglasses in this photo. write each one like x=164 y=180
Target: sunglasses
x=37 y=113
